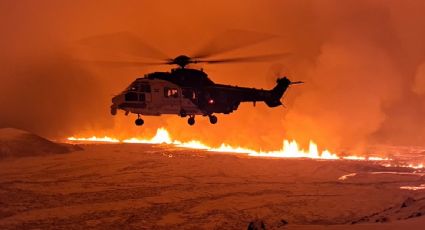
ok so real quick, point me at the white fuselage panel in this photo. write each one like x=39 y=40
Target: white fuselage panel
x=164 y=98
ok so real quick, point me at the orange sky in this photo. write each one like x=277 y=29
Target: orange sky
x=362 y=61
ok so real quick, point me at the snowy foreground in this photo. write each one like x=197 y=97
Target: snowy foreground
x=135 y=186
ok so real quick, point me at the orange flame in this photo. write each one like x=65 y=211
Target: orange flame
x=95 y=139
x=290 y=149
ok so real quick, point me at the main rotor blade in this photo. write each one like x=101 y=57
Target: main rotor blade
x=123 y=42
x=259 y=58
x=231 y=40
x=121 y=63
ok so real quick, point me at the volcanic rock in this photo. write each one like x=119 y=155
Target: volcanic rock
x=409 y=201
x=257 y=225
x=283 y=223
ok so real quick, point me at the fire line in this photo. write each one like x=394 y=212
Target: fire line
x=290 y=149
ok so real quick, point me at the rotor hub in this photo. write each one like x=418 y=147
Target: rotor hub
x=182 y=61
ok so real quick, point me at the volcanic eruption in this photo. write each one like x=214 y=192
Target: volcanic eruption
x=346 y=151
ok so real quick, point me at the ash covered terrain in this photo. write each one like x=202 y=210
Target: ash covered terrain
x=141 y=186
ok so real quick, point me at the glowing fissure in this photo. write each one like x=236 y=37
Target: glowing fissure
x=414 y=188
x=405 y=165
x=345 y=177
x=290 y=149
x=95 y=139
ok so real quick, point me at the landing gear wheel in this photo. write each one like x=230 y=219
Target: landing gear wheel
x=213 y=119
x=139 y=121
x=191 y=120
x=183 y=113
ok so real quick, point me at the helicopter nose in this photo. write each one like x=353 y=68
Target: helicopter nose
x=116 y=99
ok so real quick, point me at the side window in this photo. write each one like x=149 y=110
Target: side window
x=189 y=93
x=171 y=92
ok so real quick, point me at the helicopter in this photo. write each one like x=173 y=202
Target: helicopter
x=189 y=92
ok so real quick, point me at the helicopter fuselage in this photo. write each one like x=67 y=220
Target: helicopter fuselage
x=189 y=92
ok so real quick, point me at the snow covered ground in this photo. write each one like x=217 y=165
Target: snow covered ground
x=19 y=143
x=115 y=186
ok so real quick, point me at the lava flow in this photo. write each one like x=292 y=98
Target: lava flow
x=290 y=149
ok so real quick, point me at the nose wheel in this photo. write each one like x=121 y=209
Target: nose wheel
x=113 y=111
x=183 y=113
x=213 y=119
x=139 y=121
x=191 y=120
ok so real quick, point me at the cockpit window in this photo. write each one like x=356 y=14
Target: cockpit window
x=142 y=97
x=171 y=92
x=130 y=96
x=140 y=87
